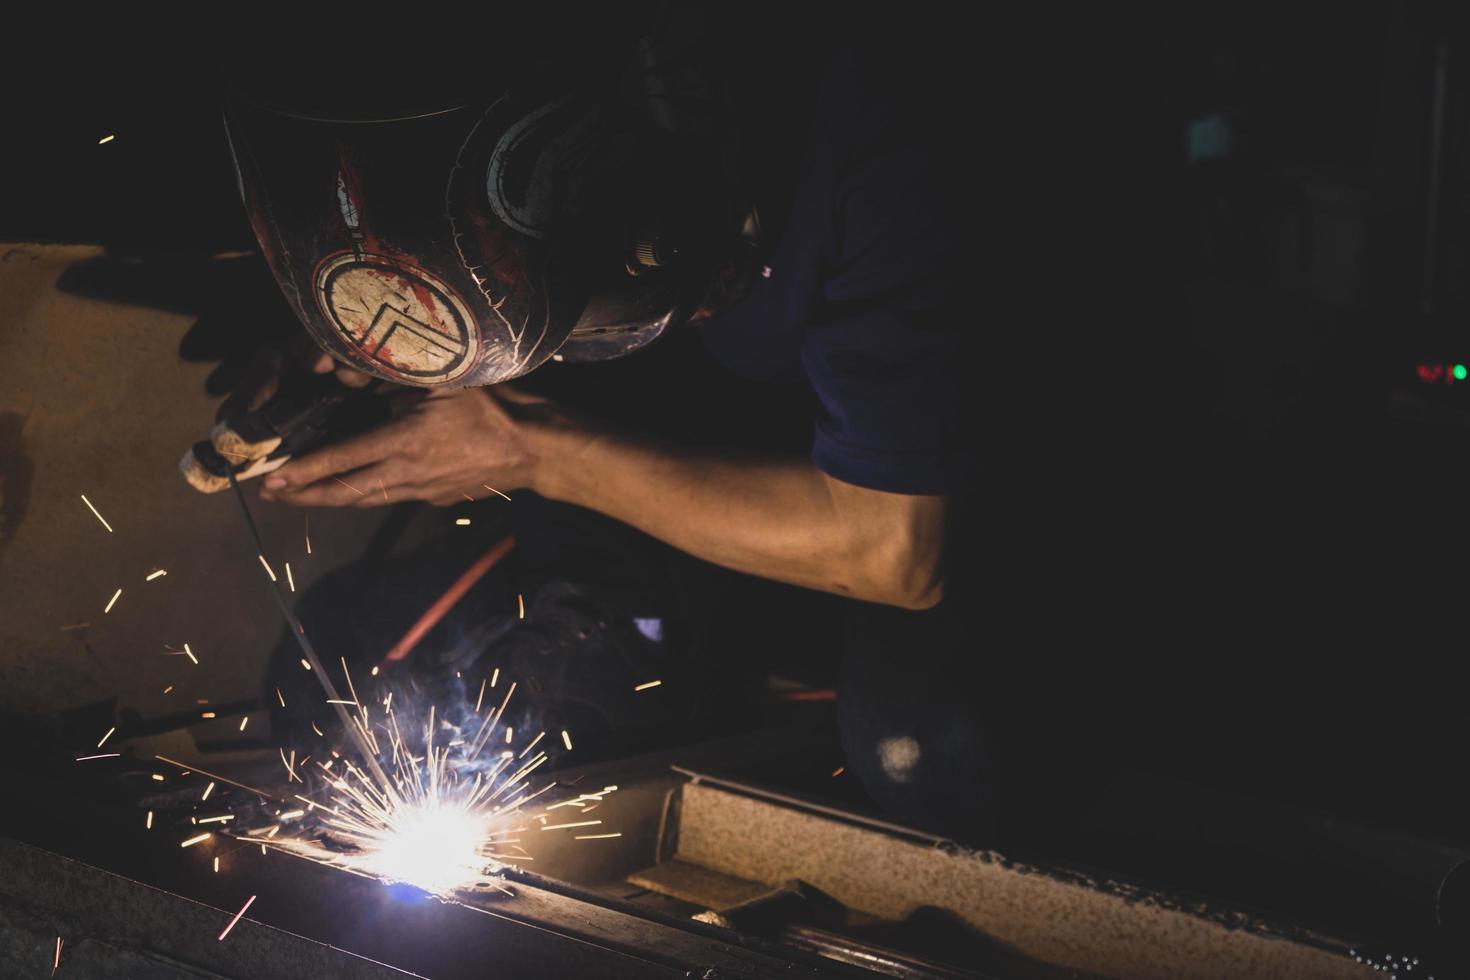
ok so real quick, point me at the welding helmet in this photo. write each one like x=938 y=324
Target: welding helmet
x=461 y=225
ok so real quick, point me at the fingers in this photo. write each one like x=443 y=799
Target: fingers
x=331 y=492
x=353 y=378
x=375 y=486
x=343 y=457
x=322 y=363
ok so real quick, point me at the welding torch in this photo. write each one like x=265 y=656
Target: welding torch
x=306 y=410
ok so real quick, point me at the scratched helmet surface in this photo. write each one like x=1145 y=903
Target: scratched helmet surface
x=466 y=238
x=433 y=250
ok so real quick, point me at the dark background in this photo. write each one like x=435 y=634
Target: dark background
x=1218 y=531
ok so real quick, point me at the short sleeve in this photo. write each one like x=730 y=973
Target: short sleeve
x=888 y=415
x=883 y=351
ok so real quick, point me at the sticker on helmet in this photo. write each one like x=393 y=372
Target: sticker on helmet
x=407 y=322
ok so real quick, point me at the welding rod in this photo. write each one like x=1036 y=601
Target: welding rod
x=369 y=757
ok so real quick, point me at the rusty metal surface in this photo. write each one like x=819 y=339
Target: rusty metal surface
x=1092 y=924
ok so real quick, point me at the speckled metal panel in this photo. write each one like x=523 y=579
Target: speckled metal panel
x=1097 y=926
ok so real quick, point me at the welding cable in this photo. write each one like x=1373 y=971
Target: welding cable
x=447 y=601
x=298 y=631
x=809 y=694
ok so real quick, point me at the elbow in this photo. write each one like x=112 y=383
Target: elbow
x=922 y=599
x=919 y=590
x=909 y=576
x=891 y=544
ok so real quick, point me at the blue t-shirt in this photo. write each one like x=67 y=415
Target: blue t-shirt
x=857 y=301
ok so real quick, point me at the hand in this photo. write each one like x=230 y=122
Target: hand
x=457 y=442
x=322 y=362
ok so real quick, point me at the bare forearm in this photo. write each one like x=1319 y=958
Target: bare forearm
x=786 y=521
x=781 y=520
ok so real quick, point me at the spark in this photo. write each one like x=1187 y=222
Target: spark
x=480 y=700
x=107 y=736
x=289 y=579
x=528 y=748
x=341 y=701
x=171 y=687
x=374 y=672
x=838 y=771
x=509 y=734
x=316 y=729
x=493 y=490
x=267 y=566
x=467 y=496
x=158 y=574
x=598 y=836
x=56 y=962
x=243 y=722
x=105 y=755
x=580 y=800
x=290 y=765
x=280 y=697
x=382 y=488
x=216 y=865
x=567 y=738
x=521 y=605
x=94 y=511
x=308 y=535
x=462 y=521
x=495 y=676
x=106 y=139
x=222 y=818
x=148 y=824
x=111 y=601
x=190 y=654
x=350 y=487
x=212 y=775
x=195 y=840
x=564 y=826
x=207 y=790
x=157 y=778
x=438 y=821
x=646 y=685
x=248 y=902
x=308 y=667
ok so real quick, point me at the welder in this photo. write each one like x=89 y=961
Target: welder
x=770 y=214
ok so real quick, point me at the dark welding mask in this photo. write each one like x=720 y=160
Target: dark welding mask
x=465 y=237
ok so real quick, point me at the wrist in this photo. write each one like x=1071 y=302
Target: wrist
x=555 y=443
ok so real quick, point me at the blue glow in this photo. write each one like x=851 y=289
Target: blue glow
x=651 y=628
x=402 y=891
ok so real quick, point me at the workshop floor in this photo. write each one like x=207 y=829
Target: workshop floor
x=95 y=399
